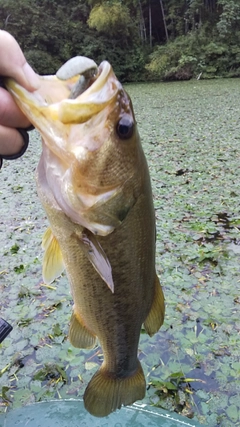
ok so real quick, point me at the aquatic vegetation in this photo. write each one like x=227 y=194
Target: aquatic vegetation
x=190 y=132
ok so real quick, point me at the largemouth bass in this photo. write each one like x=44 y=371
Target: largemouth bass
x=93 y=182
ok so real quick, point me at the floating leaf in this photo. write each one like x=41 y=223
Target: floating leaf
x=19 y=269
x=57 y=330
x=14 y=249
x=233 y=413
x=91 y=365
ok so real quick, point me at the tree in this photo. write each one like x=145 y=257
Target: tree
x=112 y=19
x=183 y=37
x=229 y=19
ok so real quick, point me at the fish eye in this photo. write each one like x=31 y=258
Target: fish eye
x=125 y=127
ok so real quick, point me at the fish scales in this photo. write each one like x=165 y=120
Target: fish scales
x=94 y=185
x=133 y=267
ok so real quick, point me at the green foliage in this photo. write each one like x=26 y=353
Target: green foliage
x=204 y=36
x=171 y=61
x=19 y=269
x=64 y=32
x=229 y=19
x=204 y=40
x=43 y=62
x=14 y=249
x=51 y=372
x=193 y=55
x=117 y=40
x=112 y=19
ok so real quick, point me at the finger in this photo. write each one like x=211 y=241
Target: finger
x=10 y=114
x=11 y=141
x=14 y=64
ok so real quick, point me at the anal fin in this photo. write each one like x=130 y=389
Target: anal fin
x=79 y=335
x=155 y=317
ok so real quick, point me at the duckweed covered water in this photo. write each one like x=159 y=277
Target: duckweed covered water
x=191 y=134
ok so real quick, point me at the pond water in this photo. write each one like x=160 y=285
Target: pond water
x=190 y=133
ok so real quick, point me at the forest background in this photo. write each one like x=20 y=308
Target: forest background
x=142 y=39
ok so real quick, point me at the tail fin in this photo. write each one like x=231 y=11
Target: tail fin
x=105 y=393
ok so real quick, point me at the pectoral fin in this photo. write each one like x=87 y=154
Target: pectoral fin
x=96 y=255
x=155 y=317
x=53 y=264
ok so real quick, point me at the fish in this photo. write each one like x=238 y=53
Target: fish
x=94 y=184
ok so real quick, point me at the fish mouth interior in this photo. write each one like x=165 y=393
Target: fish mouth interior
x=101 y=88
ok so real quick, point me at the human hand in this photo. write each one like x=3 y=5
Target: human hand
x=13 y=64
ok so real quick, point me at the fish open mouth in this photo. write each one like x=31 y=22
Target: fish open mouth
x=89 y=93
x=69 y=98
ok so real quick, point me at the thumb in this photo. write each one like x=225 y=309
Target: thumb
x=13 y=63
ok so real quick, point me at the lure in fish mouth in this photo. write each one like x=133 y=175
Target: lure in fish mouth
x=84 y=67
x=93 y=182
